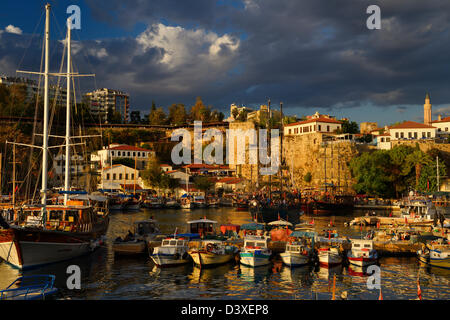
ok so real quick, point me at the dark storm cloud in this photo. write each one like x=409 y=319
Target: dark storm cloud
x=312 y=53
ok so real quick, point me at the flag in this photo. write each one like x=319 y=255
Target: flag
x=329 y=234
x=331 y=223
x=381 y=296
x=278 y=216
x=419 y=291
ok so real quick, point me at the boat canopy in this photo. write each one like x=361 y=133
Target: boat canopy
x=188 y=235
x=280 y=223
x=202 y=221
x=302 y=234
x=252 y=226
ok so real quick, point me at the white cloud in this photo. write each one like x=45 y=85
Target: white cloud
x=12 y=29
x=183 y=46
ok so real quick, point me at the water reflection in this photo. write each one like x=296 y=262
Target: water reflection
x=105 y=276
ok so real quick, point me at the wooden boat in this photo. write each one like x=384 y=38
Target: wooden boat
x=329 y=257
x=186 y=203
x=213 y=252
x=136 y=243
x=172 y=252
x=199 y=202
x=255 y=251
x=116 y=203
x=298 y=252
x=67 y=231
x=38 y=287
x=435 y=257
x=362 y=253
x=153 y=203
x=226 y=201
x=45 y=233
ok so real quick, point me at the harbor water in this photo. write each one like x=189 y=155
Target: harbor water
x=104 y=276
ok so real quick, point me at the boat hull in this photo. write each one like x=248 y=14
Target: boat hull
x=168 y=260
x=252 y=259
x=203 y=258
x=329 y=259
x=361 y=261
x=129 y=248
x=294 y=259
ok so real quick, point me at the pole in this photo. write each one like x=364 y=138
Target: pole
x=67 y=162
x=437 y=172
x=135 y=162
x=268 y=149
x=45 y=124
x=14 y=177
x=281 y=147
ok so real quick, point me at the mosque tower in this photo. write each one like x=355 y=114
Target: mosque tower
x=427 y=110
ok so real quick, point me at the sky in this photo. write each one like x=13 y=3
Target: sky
x=313 y=55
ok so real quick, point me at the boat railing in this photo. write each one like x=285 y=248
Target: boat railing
x=38 y=284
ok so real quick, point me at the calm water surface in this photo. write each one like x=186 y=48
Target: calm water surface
x=107 y=277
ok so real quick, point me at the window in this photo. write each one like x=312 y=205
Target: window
x=250 y=244
x=134 y=154
x=120 y=176
x=112 y=153
x=423 y=134
x=107 y=176
x=132 y=176
x=126 y=176
x=446 y=129
x=328 y=128
x=173 y=242
x=396 y=135
x=402 y=135
x=129 y=153
x=382 y=139
x=388 y=139
x=118 y=153
x=139 y=154
x=114 y=176
x=260 y=244
x=289 y=131
x=415 y=135
x=409 y=135
x=429 y=134
x=320 y=127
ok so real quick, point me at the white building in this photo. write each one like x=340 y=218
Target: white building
x=76 y=164
x=103 y=101
x=410 y=130
x=383 y=141
x=442 y=125
x=316 y=123
x=180 y=175
x=120 y=177
x=116 y=151
x=165 y=167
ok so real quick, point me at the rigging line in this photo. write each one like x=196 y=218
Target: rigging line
x=31 y=39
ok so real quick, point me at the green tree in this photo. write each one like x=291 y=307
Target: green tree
x=152 y=175
x=418 y=160
x=203 y=183
x=348 y=127
x=307 y=177
x=177 y=114
x=157 y=117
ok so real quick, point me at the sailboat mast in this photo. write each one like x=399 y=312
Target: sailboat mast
x=67 y=162
x=45 y=124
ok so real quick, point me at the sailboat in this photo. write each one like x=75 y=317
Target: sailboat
x=43 y=233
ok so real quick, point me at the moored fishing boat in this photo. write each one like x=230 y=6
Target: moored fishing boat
x=136 y=243
x=37 y=287
x=212 y=252
x=132 y=204
x=435 y=256
x=298 y=252
x=172 y=252
x=199 y=202
x=255 y=251
x=329 y=257
x=362 y=253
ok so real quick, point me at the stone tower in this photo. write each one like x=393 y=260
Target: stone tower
x=427 y=110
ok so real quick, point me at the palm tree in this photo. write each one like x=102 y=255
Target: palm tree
x=418 y=159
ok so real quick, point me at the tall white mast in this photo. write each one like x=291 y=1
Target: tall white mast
x=45 y=124
x=67 y=162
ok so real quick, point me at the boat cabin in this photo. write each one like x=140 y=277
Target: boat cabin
x=173 y=242
x=256 y=242
x=202 y=227
x=69 y=218
x=362 y=246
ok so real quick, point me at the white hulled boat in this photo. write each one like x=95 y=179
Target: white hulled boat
x=362 y=253
x=255 y=251
x=172 y=252
x=212 y=252
x=329 y=257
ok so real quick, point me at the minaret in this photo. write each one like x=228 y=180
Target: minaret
x=427 y=110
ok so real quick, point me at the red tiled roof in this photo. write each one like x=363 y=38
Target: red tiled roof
x=446 y=119
x=128 y=148
x=171 y=171
x=412 y=125
x=320 y=119
x=165 y=165
x=199 y=166
x=229 y=180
